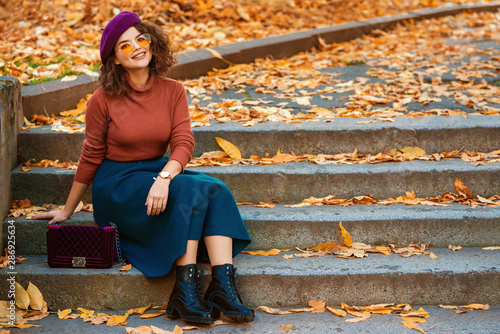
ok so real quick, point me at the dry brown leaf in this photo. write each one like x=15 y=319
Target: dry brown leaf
x=449 y=307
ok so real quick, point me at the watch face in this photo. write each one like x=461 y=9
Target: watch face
x=165 y=175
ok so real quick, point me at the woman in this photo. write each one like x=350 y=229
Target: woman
x=163 y=213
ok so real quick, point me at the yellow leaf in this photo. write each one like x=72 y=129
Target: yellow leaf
x=153 y=315
x=492 y=248
x=22 y=326
x=411 y=325
x=413 y=150
x=218 y=55
x=419 y=313
x=178 y=330
x=138 y=311
x=337 y=312
x=117 y=320
x=318 y=306
x=36 y=298
x=271 y=252
x=63 y=314
x=22 y=298
x=346 y=236
x=229 y=148
x=432 y=255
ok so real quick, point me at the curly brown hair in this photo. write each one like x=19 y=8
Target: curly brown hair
x=112 y=77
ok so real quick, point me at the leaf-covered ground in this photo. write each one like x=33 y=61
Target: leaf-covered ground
x=50 y=39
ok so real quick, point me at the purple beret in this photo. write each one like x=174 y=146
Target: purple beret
x=115 y=28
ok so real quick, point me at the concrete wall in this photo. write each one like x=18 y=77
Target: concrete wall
x=11 y=120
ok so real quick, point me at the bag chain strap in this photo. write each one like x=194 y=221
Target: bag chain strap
x=118 y=248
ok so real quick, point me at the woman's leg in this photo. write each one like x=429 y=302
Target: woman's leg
x=190 y=256
x=220 y=249
x=221 y=295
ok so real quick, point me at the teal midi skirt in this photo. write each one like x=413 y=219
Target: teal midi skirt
x=198 y=205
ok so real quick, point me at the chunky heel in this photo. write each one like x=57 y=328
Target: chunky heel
x=185 y=300
x=222 y=296
x=171 y=311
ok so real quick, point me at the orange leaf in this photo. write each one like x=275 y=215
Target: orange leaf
x=337 y=312
x=325 y=247
x=477 y=306
x=271 y=252
x=462 y=189
x=317 y=306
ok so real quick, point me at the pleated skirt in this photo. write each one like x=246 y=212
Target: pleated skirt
x=198 y=205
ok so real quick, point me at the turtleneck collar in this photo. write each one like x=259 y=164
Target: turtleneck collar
x=144 y=90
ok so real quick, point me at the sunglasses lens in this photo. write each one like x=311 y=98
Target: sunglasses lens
x=126 y=48
x=143 y=40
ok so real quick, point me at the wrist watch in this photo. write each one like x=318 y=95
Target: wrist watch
x=165 y=175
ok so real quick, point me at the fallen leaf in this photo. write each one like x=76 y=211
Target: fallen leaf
x=492 y=248
x=449 y=307
x=64 y=313
x=125 y=268
x=35 y=297
x=477 y=306
x=318 y=306
x=412 y=325
x=138 y=311
x=229 y=148
x=271 y=252
x=345 y=235
x=287 y=328
x=22 y=298
x=337 y=312
x=153 y=315
x=22 y=326
x=415 y=320
x=365 y=316
x=117 y=320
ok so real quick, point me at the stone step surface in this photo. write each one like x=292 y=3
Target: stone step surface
x=293 y=182
x=284 y=228
x=431 y=133
x=468 y=276
x=441 y=320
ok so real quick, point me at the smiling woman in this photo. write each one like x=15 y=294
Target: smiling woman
x=165 y=215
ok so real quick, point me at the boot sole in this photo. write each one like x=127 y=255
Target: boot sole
x=173 y=312
x=215 y=312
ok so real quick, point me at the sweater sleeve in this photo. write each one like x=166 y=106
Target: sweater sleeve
x=94 y=146
x=181 y=138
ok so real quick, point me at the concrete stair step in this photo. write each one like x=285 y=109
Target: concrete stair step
x=431 y=133
x=305 y=227
x=441 y=320
x=470 y=275
x=292 y=182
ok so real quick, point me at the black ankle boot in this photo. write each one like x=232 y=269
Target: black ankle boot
x=185 y=300
x=222 y=296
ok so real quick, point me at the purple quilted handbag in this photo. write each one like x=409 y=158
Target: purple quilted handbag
x=74 y=246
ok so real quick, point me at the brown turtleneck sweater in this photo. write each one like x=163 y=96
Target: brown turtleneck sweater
x=138 y=126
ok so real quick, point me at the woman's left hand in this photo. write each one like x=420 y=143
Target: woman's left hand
x=157 y=197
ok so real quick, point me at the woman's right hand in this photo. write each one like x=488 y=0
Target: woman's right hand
x=55 y=216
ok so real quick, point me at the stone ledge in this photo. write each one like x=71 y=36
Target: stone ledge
x=464 y=277
x=58 y=96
